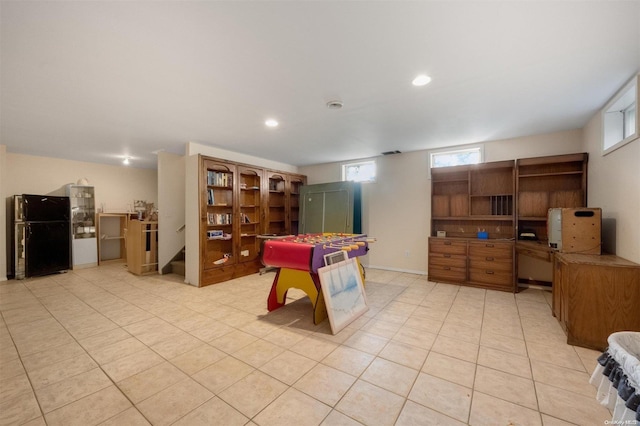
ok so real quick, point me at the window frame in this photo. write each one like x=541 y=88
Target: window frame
x=453 y=150
x=625 y=100
x=345 y=166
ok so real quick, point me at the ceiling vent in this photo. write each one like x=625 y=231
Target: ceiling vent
x=391 y=152
x=334 y=104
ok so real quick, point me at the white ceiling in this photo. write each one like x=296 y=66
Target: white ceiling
x=95 y=81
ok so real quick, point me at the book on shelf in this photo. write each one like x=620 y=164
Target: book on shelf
x=219 y=218
x=219 y=179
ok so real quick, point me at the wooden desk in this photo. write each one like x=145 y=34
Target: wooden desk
x=595 y=296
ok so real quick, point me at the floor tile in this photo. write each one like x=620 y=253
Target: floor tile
x=506 y=386
x=222 y=374
x=172 y=403
x=258 y=353
x=569 y=406
x=402 y=353
x=293 y=408
x=288 y=367
x=348 y=360
x=151 y=381
x=366 y=342
x=61 y=370
x=129 y=417
x=197 y=359
x=456 y=348
x=91 y=409
x=486 y=410
x=336 y=418
x=132 y=364
x=504 y=361
x=326 y=384
x=558 y=354
x=213 y=412
x=503 y=343
x=313 y=347
x=448 y=368
x=71 y=389
x=15 y=387
x=370 y=404
x=233 y=341
x=390 y=376
x=414 y=337
x=19 y=410
x=564 y=378
x=253 y=393
x=119 y=349
x=442 y=396
x=415 y=414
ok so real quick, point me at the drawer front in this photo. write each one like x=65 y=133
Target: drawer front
x=492 y=277
x=495 y=250
x=442 y=245
x=445 y=259
x=447 y=273
x=491 y=264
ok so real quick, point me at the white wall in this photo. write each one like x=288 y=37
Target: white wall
x=3 y=214
x=116 y=186
x=171 y=202
x=614 y=186
x=397 y=208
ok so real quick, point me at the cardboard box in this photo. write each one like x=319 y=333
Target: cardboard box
x=575 y=230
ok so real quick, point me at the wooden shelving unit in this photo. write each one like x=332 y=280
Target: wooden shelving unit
x=467 y=203
x=111 y=236
x=548 y=182
x=238 y=203
x=142 y=247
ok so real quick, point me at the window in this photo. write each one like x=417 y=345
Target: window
x=457 y=157
x=363 y=171
x=620 y=118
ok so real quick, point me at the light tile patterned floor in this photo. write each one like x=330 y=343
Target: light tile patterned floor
x=102 y=346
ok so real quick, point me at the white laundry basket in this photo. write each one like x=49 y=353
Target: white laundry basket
x=617 y=377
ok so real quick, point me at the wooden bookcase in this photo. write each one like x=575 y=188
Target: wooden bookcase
x=283 y=203
x=467 y=203
x=237 y=204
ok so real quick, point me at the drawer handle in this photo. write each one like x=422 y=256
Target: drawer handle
x=490 y=259
x=446 y=268
x=446 y=255
x=447 y=243
x=488 y=245
x=489 y=272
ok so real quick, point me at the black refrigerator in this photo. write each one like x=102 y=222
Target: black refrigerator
x=47 y=236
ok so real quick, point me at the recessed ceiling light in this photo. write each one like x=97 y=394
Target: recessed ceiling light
x=335 y=104
x=421 y=80
x=125 y=161
x=271 y=123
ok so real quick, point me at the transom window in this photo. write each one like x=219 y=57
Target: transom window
x=362 y=171
x=456 y=157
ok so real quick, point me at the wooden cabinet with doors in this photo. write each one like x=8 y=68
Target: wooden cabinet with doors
x=237 y=204
x=472 y=225
x=595 y=296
